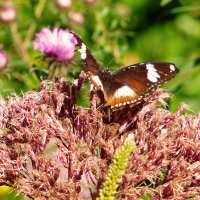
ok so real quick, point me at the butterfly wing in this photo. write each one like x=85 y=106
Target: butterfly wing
x=134 y=83
x=96 y=76
x=129 y=85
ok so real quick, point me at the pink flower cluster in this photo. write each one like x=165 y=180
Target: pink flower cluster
x=49 y=146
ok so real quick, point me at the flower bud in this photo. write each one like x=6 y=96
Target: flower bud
x=63 y=4
x=3 y=60
x=8 y=13
x=122 y=10
x=76 y=18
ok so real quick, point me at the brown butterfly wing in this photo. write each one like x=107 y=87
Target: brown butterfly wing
x=128 y=85
x=134 y=83
x=91 y=66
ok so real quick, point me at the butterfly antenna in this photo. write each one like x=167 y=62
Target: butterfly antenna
x=110 y=62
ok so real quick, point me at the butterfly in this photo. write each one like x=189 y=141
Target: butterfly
x=129 y=85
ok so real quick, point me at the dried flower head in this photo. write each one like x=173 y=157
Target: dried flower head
x=58 y=44
x=52 y=149
x=3 y=60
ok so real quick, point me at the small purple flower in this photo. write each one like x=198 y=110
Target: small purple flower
x=57 y=43
x=3 y=60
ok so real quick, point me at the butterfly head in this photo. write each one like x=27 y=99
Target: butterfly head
x=106 y=73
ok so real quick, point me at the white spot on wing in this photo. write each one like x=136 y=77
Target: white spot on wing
x=83 y=51
x=97 y=81
x=172 y=68
x=152 y=78
x=152 y=73
x=124 y=92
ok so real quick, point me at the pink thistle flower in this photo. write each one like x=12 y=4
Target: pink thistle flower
x=57 y=43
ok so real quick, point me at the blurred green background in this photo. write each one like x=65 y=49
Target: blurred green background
x=118 y=33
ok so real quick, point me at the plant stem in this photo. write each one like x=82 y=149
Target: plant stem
x=31 y=30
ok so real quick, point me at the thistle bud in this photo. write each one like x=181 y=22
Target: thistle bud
x=122 y=10
x=8 y=13
x=76 y=18
x=63 y=4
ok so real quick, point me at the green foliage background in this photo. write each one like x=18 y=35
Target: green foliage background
x=118 y=33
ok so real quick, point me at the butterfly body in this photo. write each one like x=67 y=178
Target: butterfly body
x=129 y=85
